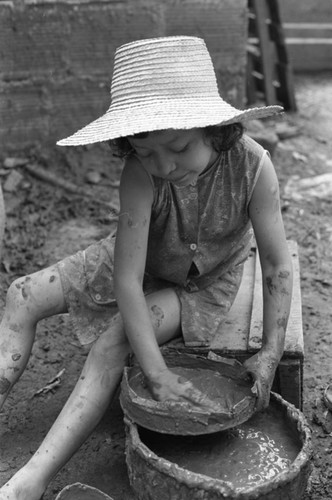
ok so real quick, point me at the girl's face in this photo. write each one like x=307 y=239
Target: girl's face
x=178 y=156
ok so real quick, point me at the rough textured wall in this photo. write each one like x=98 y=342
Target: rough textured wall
x=56 y=56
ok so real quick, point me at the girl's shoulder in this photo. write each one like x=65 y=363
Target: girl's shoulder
x=135 y=182
x=246 y=153
x=247 y=144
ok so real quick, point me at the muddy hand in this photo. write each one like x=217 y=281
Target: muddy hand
x=172 y=387
x=262 y=367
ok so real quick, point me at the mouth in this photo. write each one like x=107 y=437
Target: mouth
x=179 y=180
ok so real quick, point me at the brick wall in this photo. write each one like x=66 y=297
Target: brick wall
x=56 y=56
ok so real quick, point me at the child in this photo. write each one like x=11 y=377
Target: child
x=193 y=190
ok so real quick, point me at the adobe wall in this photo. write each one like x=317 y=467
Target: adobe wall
x=56 y=56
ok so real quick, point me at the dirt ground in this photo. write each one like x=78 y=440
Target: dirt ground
x=46 y=222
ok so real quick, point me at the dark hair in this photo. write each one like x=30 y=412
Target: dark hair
x=223 y=138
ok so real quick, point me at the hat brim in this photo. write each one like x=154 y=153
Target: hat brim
x=184 y=115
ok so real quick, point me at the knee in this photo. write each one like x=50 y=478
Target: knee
x=17 y=294
x=112 y=346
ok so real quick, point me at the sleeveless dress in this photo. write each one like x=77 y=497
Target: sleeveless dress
x=199 y=238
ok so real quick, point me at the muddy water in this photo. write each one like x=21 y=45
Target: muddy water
x=248 y=455
x=224 y=390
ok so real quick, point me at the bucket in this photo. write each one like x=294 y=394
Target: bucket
x=154 y=475
x=79 y=491
x=220 y=379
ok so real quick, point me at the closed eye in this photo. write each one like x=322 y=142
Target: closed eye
x=182 y=150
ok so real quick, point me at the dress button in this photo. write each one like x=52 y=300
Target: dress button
x=193 y=246
x=193 y=183
x=97 y=296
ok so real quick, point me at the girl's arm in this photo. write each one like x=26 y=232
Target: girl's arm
x=265 y=214
x=136 y=196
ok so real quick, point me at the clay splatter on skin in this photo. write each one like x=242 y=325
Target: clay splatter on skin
x=52 y=278
x=282 y=322
x=14 y=327
x=16 y=356
x=26 y=288
x=158 y=315
x=131 y=223
x=154 y=385
x=4 y=385
x=270 y=285
x=284 y=274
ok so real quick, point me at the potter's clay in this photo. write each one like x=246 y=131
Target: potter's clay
x=247 y=455
x=220 y=381
x=267 y=458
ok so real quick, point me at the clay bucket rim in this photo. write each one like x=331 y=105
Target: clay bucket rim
x=148 y=412
x=224 y=487
x=157 y=406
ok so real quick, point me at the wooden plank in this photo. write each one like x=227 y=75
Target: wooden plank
x=308 y=30
x=294 y=333
x=290 y=381
x=310 y=56
x=309 y=45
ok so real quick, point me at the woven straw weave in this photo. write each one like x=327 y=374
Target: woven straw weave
x=163 y=83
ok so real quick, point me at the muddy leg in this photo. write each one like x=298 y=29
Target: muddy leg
x=87 y=403
x=29 y=300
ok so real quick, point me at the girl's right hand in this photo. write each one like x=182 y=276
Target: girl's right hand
x=168 y=386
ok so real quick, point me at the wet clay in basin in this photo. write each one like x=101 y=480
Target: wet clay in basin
x=222 y=382
x=266 y=458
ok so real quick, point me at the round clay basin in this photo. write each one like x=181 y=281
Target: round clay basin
x=152 y=476
x=79 y=491
x=221 y=380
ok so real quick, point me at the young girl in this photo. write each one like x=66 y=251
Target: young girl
x=193 y=190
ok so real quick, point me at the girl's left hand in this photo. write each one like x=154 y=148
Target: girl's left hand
x=262 y=367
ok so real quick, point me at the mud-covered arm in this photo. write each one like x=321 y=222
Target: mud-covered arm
x=136 y=196
x=277 y=281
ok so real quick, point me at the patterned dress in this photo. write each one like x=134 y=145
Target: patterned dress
x=199 y=238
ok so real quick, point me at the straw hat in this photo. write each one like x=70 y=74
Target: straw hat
x=163 y=83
